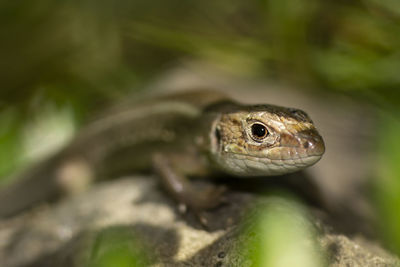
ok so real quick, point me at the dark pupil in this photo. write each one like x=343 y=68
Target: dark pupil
x=259 y=130
x=218 y=136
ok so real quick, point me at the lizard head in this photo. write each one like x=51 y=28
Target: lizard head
x=265 y=140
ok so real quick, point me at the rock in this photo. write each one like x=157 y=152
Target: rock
x=82 y=229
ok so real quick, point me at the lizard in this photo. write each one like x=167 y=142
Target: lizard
x=178 y=136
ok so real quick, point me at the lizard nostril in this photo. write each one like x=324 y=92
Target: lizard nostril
x=312 y=142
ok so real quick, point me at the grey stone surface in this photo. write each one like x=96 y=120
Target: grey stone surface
x=63 y=234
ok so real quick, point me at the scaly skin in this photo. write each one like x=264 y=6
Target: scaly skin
x=180 y=135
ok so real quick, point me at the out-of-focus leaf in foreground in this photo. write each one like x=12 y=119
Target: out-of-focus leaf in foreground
x=283 y=236
x=9 y=141
x=387 y=184
x=118 y=247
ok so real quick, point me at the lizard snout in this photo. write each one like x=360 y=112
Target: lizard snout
x=312 y=142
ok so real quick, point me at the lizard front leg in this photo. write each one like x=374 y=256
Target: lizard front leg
x=172 y=170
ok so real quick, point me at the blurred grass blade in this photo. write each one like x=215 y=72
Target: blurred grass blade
x=284 y=237
x=387 y=184
x=118 y=246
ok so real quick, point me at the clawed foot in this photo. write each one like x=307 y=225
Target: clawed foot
x=168 y=168
x=199 y=202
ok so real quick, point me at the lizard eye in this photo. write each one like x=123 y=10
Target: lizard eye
x=258 y=131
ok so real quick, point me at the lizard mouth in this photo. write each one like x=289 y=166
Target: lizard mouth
x=291 y=153
x=249 y=165
x=299 y=160
x=301 y=144
x=275 y=161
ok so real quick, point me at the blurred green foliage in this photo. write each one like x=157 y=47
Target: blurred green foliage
x=86 y=52
x=387 y=185
x=117 y=247
x=282 y=234
x=9 y=141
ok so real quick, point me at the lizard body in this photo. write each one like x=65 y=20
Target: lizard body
x=179 y=135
